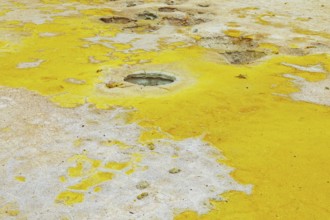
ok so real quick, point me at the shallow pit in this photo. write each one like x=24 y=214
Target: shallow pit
x=116 y=20
x=167 y=9
x=150 y=79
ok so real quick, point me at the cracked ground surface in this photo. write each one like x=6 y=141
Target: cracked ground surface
x=239 y=132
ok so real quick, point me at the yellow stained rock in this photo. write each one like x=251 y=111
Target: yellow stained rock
x=116 y=165
x=70 y=198
x=83 y=167
x=20 y=178
x=233 y=33
x=93 y=180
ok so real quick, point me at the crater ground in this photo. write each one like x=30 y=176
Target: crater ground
x=236 y=128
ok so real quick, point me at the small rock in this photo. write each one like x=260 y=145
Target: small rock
x=112 y=85
x=142 y=195
x=174 y=170
x=142 y=185
x=241 y=76
x=204 y=5
x=147 y=15
x=151 y=146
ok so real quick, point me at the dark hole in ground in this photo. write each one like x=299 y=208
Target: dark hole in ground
x=149 y=79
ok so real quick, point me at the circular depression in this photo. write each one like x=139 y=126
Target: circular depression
x=150 y=79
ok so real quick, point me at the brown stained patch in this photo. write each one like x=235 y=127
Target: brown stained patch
x=177 y=21
x=243 y=57
x=141 y=28
x=244 y=42
x=316 y=47
x=167 y=9
x=112 y=85
x=226 y=43
x=187 y=21
x=245 y=46
x=117 y=20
